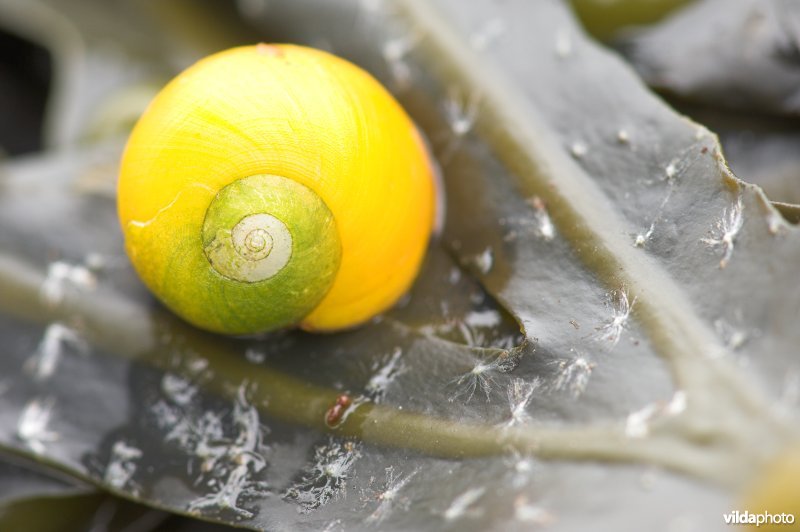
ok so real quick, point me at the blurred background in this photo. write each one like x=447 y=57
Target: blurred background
x=77 y=73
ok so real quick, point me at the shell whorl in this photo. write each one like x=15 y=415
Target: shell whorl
x=276 y=238
x=255 y=249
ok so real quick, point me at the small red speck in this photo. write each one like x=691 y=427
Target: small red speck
x=269 y=50
x=334 y=414
x=704 y=150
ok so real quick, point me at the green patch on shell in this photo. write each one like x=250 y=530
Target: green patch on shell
x=273 y=250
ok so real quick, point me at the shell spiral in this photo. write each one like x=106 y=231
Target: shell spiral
x=275 y=185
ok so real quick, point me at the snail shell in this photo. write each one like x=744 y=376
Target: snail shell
x=276 y=185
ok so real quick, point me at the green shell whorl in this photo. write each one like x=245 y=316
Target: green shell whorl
x=274 y=251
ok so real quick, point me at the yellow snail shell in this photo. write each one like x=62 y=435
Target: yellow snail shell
x=276 y=185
